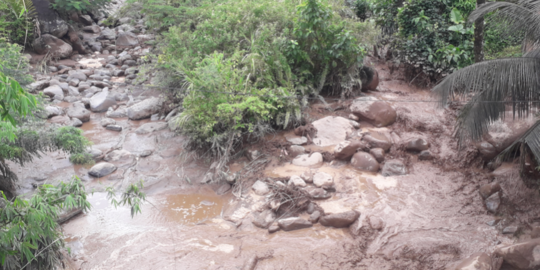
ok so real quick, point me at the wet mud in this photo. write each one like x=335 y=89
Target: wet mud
x=427 y=219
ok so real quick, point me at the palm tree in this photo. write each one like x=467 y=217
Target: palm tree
x=492 y=85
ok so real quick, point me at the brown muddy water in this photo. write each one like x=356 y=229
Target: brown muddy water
x=426 y=219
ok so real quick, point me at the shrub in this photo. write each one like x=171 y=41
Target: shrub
x=245 y=67
x=81 y=159
x=83 y=6
x=16 y=21
x=13 y=63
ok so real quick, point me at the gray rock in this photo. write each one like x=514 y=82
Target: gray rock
x=38 y=86
x=107 y=34
x=92 y=29
x=126 y=39
x=510 y=229
x=296 y=140
x=55 y=92
x=73 y=74
x=260 y=188
x=74 y=82
x=144 y=109
x=297 y=181
x=102 y=101
x=118 y=113
x=144 y=38
x=62 y=120
x=296 y=150
x=107 y=121
x=307 y=160
x=122 y=156
x=86 y=19
x=346 y=149
x=417 y=145
x=114 y=127
x=394 y=167
x=294 y=223
x=76 y=122
x=323 y=180
x=314 y=217
x=489 y=189
x=332 y=130
x=378 y=140
x=79 y=111
x=95 y=153
x=56 y=47
x=53 y=111
x=151 y=127
x=487 y=150
x=273 y=228
x=340 y=220
x=378 y=154
x=317 y=193
x=154 y=117
x=118 y=73
x=477 y=261
x=365 y=162
x=524 y=255
x=425 y=155
x=493 y=202
x=264 y=219
x=376 y=112
x=102 y=169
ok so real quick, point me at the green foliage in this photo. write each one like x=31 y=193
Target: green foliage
x=14 y=64
x=29 y=232
x=14 y=100
x=70 y=139
x=82 y=159
x=362 y=9
x=433 y=36
x=84 y=6
x=16 y=20
x=133 y=197
x=239 y=65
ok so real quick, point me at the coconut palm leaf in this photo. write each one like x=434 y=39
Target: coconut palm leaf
x=491 y=86
x=531 y=139
x=522 y=17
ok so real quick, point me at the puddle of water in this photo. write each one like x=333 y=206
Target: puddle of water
x=191 y=208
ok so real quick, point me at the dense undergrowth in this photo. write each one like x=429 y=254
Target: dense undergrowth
x=243 y=68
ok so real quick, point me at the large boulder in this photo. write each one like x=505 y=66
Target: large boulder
x=56 y=47
x=92 y=29
x=55 y=92
x=53 y=111
x=49 y=21
x=144 y=109
x=294 y=223
x=376 y=112
x=126 y=39
x=340 y=220
x=477 y=261
x=100 y=102
x=394 y=167
x=79 y=111
x=524 y=255
x=365 y=162
x=308 y=160
x=102 y=169
x=332 y=130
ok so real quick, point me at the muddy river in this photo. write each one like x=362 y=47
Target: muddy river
x=423 y=220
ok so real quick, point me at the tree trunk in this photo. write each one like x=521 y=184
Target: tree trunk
x=479 y=36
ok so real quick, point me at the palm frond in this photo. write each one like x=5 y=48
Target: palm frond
x=522 y=17
x=490 y=86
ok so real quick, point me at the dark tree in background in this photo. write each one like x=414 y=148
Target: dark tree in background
x=479 y=36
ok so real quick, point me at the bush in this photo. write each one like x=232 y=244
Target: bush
x=30 y=237
x=16 y=21
x=81 y=159
x=245 y=67
x=83 y=6
x=13 y=63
